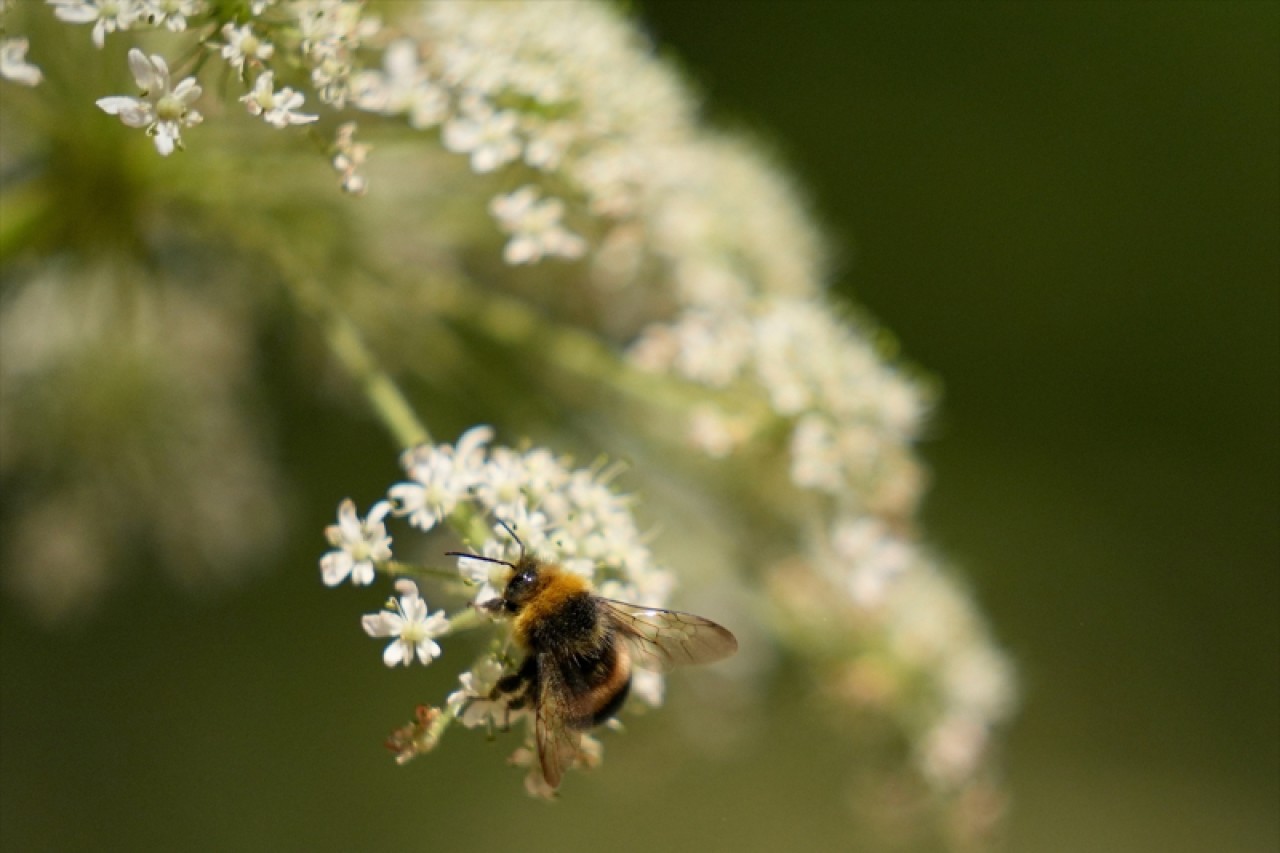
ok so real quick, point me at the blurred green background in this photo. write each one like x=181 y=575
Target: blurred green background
x=1070 y=213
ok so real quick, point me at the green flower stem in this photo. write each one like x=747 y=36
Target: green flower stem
x=408 y=570
x=348 y=347
x=384 y=396
x=465 y=620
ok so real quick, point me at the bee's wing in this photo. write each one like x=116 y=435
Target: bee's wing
x=555 y=724
x=662 y=639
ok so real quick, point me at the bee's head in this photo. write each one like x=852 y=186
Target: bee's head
x=522 y=586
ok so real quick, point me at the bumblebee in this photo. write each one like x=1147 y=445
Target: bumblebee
x=581 y=649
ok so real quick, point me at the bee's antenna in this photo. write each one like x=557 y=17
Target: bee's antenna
x=507 y=527
x=479 y=557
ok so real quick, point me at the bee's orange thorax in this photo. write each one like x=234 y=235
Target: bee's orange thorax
x=555 y=589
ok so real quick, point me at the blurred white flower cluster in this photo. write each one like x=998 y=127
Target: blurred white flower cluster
x=686 y=256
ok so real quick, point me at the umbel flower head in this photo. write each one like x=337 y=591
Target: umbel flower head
x=566 y=516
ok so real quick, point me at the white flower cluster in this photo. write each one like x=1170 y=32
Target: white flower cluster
x=324 y=36
x=568 y=516
x=563 y=515
x=562 y=88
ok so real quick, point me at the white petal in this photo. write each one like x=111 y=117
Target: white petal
x=334 y=567
x=123 y=106
x=76 y=14
x=164 y=140
x=521 y=250
x=143 y=73
x=349 y=522
x=363 y=573
x=460 y=136
x=396 y=653
x=436 y=624
x=377 y=513
x=415 y=609
x=428 y=650
x=406 y=497
x=188 y=91
x=401 y=59
x=375 y=625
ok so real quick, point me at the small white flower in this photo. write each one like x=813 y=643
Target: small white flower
x=359 y=545
x=712 y=349
x=402 y=88
x=441 y=476
x=434 y=492
x=489 y=576
x=501 y=483
x=276 y=108
x=172 y=13
x=815 y=459
x=107 y=15
x=489 y=136
x=530 y=525
x=14 y=65
x=534 y=226
x=471 y=705
x=407 y=619
x=873 y=557
x=243 y=45
x=161 y=110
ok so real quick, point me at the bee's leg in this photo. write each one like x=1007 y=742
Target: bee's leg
x=516 y=689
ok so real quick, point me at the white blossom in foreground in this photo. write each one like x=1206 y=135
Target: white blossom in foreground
x=408 y=620
x=14 y=65
x=359 y=545
x=107 y=16
x=161 y=110
x=276 y=108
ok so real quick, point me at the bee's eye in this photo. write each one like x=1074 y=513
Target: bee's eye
x=519 y=583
